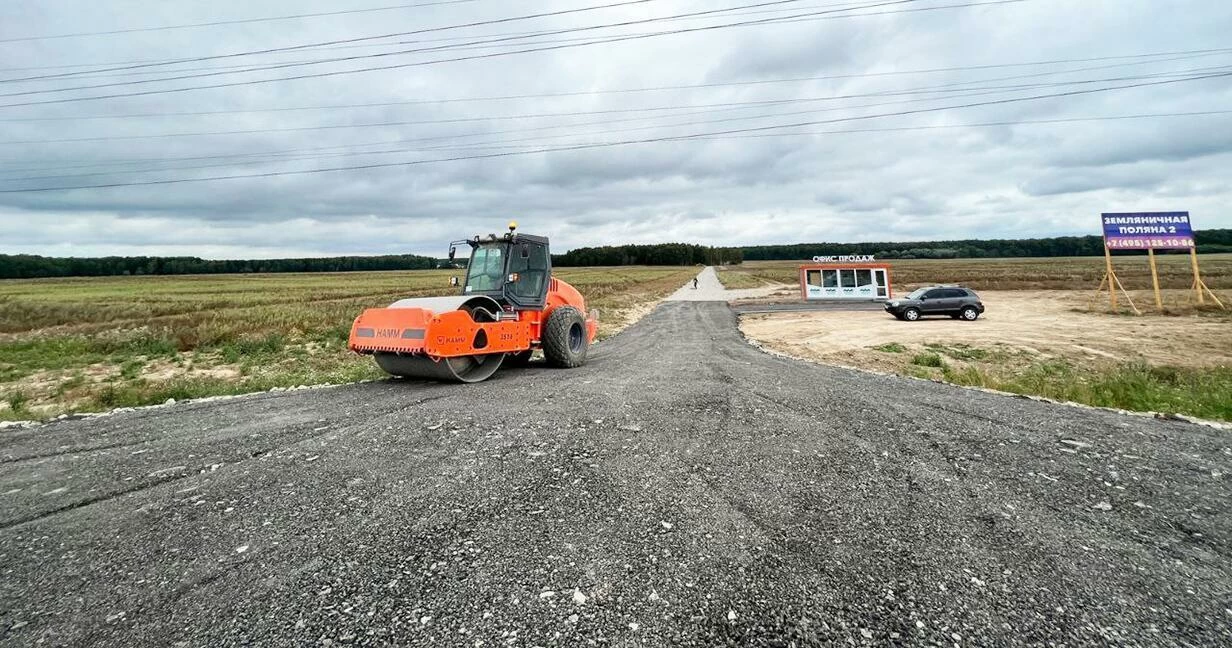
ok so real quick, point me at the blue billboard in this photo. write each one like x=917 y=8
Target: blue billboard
x=1148 y=231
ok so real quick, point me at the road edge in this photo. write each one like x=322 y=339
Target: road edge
x=1162 y=416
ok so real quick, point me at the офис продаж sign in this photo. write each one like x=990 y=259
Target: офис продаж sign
x=1148 y=231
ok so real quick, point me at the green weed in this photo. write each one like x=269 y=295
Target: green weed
x=1201 y=392
x=131 y=369
x=73 y=382
x=17 y=401
x=928 y=360
x=245 y=348
x=959 y=351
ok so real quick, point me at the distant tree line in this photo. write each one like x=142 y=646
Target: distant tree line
x=663 y=254
x=1208 y=242
x=25 y=266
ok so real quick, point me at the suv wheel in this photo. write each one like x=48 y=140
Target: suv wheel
x=969 y=313
x=911 y=314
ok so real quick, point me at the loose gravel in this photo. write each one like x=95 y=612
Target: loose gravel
x=681 y=489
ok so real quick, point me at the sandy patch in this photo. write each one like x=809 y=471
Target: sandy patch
x=614 y=321
x=50 y=391
x=163 y=371
x=1041 y=322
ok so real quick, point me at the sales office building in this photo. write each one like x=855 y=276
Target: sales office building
x=856 y=277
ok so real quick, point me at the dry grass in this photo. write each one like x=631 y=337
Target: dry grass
x=741 y=277
x=88 y=344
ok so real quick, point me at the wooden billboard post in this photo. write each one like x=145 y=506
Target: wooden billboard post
x=1114 y=284
x=1150 y=255
x=1199 y=286
x=1109 y=275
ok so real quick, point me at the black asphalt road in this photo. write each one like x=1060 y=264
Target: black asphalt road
x=681 y=489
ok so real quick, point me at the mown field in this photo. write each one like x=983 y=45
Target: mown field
x=92 y=344
x=1075 y=273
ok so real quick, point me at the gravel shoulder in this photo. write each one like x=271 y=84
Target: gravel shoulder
x=683 y=488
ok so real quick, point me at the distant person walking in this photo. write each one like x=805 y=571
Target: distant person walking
x=694 y=283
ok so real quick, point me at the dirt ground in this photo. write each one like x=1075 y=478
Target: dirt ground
x=1042 y=323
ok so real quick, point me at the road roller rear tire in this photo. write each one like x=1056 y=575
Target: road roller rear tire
x=565 y=339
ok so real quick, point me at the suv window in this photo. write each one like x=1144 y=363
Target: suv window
x=955 y=292
x=938 y=293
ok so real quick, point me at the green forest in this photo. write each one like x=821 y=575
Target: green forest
x=662 y=254
x=23 y=266
x=1208 y=242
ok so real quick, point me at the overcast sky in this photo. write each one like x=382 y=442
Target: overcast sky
x=860 y=169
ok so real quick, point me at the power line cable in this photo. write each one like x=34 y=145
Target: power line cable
x=385 y=142
x=239 y=21
x=292 y=154
x=440 y=142
x=704 y=122
x=1064 y=120
x=416 y=41
x=496 y=40
x=284 y=152
x=740 y=104
x=1178 y=56
x=254 y=67
x=492 y=147
x=246 y=68
x=578 y=147
x=357 y=57
x=476 y=57
x=360 y=39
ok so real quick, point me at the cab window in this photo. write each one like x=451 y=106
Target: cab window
x=530 y=263
x=486 y=270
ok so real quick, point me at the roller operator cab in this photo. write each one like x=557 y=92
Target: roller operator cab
x=509 y=306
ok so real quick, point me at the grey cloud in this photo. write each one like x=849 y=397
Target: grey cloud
x=1177 y=140
x=1083 y=180
x=1003 y=181
x=795 y=51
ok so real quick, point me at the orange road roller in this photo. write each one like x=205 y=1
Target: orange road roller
x=509 y=306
